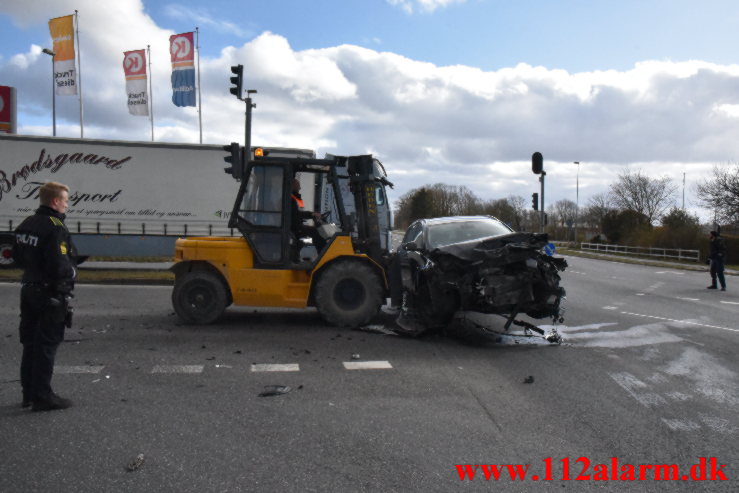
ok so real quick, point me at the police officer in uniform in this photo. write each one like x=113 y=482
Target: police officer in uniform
x=43 y=248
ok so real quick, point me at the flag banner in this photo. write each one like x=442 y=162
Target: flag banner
x=65 y=72
x=182 y=50
x=134 y=66
x=7 y=109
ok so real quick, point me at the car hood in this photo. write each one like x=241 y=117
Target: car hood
x=492 y=247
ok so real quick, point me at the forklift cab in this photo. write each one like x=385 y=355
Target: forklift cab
x=263 y=208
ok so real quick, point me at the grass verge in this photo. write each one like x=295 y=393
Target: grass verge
x=161 y=277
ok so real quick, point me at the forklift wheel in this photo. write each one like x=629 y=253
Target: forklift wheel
x=199 y=298
x=348 y=294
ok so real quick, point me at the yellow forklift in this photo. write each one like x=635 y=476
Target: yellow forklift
x=266 y=266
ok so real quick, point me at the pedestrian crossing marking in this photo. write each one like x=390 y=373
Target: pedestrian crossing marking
x=259 y=367
x=77 y=369
x=367 y=365
x=178 y=369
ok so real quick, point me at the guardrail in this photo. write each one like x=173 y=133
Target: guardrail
x=672 y=253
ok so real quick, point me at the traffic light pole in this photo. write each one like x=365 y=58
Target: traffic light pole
x=541 y=205
x=247 y=132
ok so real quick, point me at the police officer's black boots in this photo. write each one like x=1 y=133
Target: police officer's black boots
x=51 y=403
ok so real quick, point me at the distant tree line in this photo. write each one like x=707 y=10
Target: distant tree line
x=636 y=210
x=449 y=200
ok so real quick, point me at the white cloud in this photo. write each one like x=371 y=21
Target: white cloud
x=423 y=5
x=202 y=18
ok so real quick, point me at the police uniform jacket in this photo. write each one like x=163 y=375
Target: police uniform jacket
x=717 y=249
x=44 y=249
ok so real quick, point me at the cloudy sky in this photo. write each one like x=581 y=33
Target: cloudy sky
x=454 y=91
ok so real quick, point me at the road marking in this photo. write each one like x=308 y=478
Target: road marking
x=730 y=302
x=640 y=294
x=635 y=388
x=77 y=369
x=275 y=367
x=680 y=321
x=177 y=369
x=688 y=299
x=367 y=365
x=610 y=308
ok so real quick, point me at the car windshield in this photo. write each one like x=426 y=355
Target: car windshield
x=443 y=234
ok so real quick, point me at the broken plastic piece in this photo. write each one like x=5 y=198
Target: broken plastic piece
x=553 y=337
x=137 y=462
x=271 y=390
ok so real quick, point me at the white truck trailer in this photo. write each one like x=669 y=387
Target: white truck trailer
x=127 y=199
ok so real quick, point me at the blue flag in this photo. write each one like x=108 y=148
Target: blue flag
x=182 y=50
x=183 y=87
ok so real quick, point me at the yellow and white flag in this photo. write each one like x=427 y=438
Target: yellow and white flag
x=65 y=72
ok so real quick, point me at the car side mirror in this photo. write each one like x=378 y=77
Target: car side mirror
x=411 y=246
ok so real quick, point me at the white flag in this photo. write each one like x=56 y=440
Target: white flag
x=134 y=66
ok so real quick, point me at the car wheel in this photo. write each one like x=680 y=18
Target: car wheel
x=348 y=293
x=199 y=297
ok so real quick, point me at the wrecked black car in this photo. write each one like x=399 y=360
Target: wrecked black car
x=454 y=265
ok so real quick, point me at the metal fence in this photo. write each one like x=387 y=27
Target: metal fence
x=671 y=253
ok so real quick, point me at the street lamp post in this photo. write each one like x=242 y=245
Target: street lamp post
x=53 y=90
x=577 y=198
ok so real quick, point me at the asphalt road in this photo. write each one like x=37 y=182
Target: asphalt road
x=647 y=375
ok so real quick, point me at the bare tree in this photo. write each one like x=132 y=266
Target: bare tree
x=565 y=212
x=720 y=193
x=598 y=206
x=519 y=207
x=649 y=196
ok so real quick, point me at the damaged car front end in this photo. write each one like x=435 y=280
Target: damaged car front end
x=454 y=265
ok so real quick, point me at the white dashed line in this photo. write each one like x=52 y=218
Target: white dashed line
x=275 y=367
x=610 y=308
x=367 y=365
x=639 y=294
x=77 y=369
x=730 y=302
x=689 y=299
x=680 y=321
x=177 y=369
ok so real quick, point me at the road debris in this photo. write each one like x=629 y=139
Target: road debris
x=137 y=462
x=272 y=390
x=378 y=329
x=529 y=379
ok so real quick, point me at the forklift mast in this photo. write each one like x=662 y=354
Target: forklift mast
x=363 y=185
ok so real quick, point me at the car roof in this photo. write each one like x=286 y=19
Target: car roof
x=453 y=219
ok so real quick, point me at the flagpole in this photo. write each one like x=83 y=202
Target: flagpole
x=200 y=101
x=79 y=72
x=151 y=94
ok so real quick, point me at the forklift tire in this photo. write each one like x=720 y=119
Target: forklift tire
x=199 y=297
x=348 y=294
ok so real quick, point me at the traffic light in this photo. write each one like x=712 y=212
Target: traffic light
x=537 y=163
x=234 y=159
x=237 y=80
x=535 y=201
